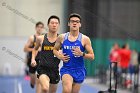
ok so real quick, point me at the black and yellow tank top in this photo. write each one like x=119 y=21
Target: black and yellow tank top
x=47 y=58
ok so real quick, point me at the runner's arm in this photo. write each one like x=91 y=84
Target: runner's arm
x=35 y=49
x=88 y=47
x=28 y=45
x=57 y=46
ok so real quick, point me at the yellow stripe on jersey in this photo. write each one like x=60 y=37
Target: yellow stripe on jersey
x=34 y=43
x=48 y=47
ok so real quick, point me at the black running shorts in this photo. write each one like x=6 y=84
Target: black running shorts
x=52 y=73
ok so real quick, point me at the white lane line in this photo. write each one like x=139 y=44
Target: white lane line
x=19 y=87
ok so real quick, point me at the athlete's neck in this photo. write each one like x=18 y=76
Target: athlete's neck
x=52 y=34
x=37 y=34
x=74 y=33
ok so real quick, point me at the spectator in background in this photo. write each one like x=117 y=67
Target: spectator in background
x=114 y=53
x=134 y=61
x=134 y=68
x=125 y=56
x=114 y=59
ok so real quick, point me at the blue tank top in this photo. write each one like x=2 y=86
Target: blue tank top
x=67 y=46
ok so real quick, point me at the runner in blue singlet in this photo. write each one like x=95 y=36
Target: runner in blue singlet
x=73 y=45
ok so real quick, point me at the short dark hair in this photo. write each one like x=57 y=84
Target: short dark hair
x=39 y=23
x=55 y=17
x=125 y=45
x=74 y=15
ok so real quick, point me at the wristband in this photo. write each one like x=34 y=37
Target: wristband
x=84 y=54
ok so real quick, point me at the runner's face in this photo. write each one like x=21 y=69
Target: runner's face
x=40 y=28
x=53 y=25
x=74 y=23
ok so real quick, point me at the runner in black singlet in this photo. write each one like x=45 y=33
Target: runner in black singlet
x=48 y=70
x=28 y=49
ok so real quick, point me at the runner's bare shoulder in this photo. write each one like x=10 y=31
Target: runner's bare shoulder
x=40 y=38
x=61 y=37
x=31 y=38
x=85 y=39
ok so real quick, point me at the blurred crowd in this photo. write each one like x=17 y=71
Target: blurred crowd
x=127 y=68
x=123 y=69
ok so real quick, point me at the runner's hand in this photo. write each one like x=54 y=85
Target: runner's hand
x=64 y=57
x=77 y=52
x=33 y=63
